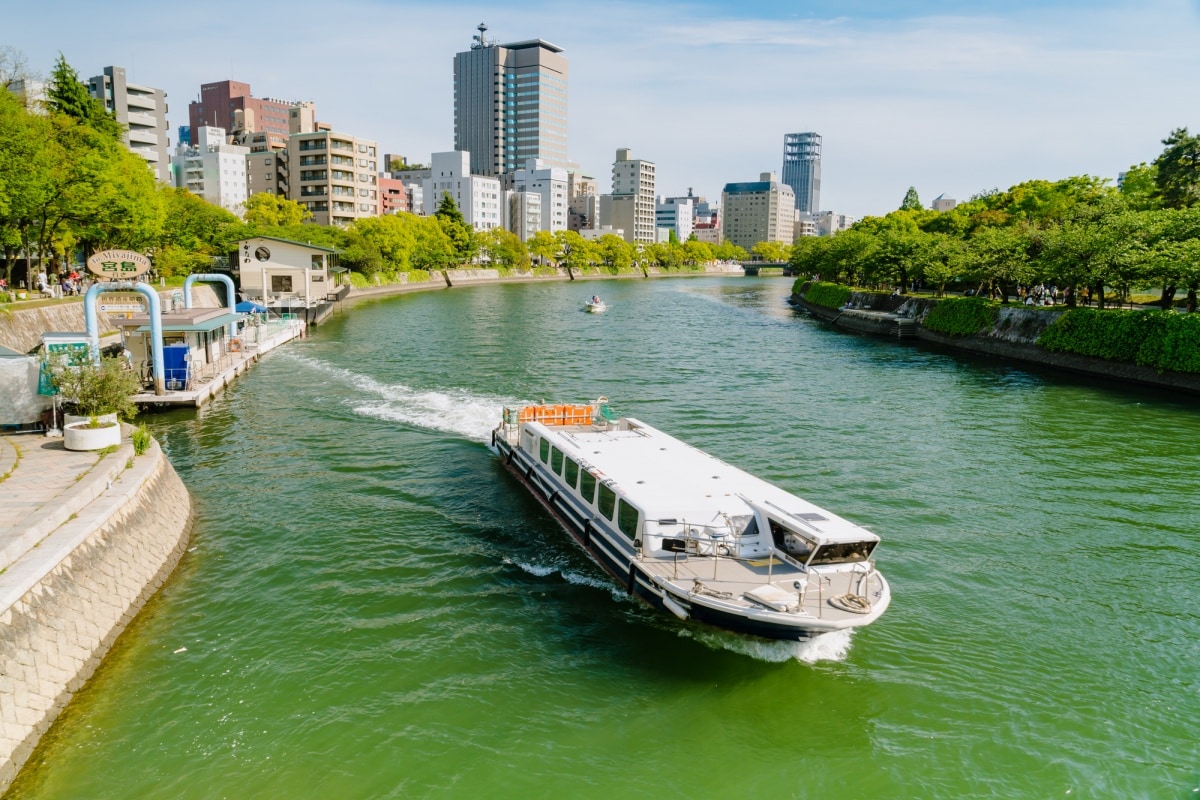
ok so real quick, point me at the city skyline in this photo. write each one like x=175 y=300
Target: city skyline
x=952 y=98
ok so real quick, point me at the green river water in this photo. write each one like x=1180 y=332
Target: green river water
x=371 y=608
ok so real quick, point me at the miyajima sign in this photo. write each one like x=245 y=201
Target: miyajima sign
x=118 y=264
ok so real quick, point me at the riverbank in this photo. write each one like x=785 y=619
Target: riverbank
x=1013 y=337
x=86 y=540
x=449 y=279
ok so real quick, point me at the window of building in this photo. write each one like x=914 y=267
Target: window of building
x=281 y=283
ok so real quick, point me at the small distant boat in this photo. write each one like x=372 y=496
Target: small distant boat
x=689 y=534
x=595 y=305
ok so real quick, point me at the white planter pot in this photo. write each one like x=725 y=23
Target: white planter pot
x=79 y=436
x=70 y=418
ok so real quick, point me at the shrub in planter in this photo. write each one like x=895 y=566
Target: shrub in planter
x=92 y=390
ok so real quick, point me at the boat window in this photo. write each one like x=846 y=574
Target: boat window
x=843 y=552
x=587 y=487
x=608 y=499
x=545 y=451
x=627 y=519
x=556 y=458
x=571 y=473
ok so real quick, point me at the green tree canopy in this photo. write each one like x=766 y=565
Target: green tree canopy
x=68 y=95
x=911 y=201
x=267 y=210
x=1178 y=170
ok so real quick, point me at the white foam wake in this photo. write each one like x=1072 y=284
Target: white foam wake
x=456 y=411
x=832 y=646
x=572 y=577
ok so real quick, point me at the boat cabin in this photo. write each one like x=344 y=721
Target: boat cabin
x=658 y=493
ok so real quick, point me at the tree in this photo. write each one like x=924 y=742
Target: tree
x=456 y=228
x=1178 y=176
x=504 y=249
x=265 y=210
x=771 y=251
x=615 y=253
x=68 y=95
x=1139 y=187
x=911 y=201
x=1001 y=257
x=575 y=251
x=544 y=247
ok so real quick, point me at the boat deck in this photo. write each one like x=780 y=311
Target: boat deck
x=729 y=580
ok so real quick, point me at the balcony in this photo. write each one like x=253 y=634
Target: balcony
x=142 y=136
x=142 y=120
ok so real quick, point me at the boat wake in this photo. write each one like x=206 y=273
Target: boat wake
x=450 y=411
x=570 y=576
x=834 y=646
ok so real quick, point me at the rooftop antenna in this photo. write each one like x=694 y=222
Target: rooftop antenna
x=480 y=40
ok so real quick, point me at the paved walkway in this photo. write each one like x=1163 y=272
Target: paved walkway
x=43 y=485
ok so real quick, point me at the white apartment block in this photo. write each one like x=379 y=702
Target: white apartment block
x=632 y=205
x=478 y=198
x=524 y=214
x=334 y=175
x=759 y=211
x=831 y=222
x=677 y=214
x=551 y=184
x=143 y=110
x=213 y=169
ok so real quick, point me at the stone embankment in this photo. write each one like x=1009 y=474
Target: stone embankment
x=85 y=541
x=1014 y=337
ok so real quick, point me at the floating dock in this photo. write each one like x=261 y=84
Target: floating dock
x=213 y=378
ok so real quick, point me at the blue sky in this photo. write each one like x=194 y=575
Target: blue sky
x=949 y=97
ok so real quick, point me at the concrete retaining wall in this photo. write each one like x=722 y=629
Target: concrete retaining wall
x=1014 y=336
x=65 y=602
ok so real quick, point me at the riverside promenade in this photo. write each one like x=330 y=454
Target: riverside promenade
x=85 y=540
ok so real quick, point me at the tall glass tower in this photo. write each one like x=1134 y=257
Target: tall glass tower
x=802 y=169
x=510 y=104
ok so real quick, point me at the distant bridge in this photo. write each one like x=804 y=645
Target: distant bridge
x=766 y=267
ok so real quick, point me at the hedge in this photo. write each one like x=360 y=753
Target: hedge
x=962 y=316
x=1162 y=340
x=828 y=295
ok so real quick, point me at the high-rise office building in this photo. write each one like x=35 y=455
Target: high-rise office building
x=802 y=169
x=510 y=104
x=143 y=112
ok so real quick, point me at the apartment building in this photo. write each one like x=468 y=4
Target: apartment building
x=212 y=169
x=758 y=211
x=478 y=197
x=550 y=183
x=229 y=105
x=334 y=175
x=143 y=112
x=630 y=207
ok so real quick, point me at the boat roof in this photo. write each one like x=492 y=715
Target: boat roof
x=670 y=479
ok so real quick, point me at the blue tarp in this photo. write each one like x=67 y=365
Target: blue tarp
x=248 y=307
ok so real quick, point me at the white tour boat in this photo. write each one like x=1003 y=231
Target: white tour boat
x=688 y=533
x=595 y=305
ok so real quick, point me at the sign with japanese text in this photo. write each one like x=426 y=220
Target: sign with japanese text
x=118 y=265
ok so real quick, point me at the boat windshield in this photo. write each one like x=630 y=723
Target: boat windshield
x=843 y=553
